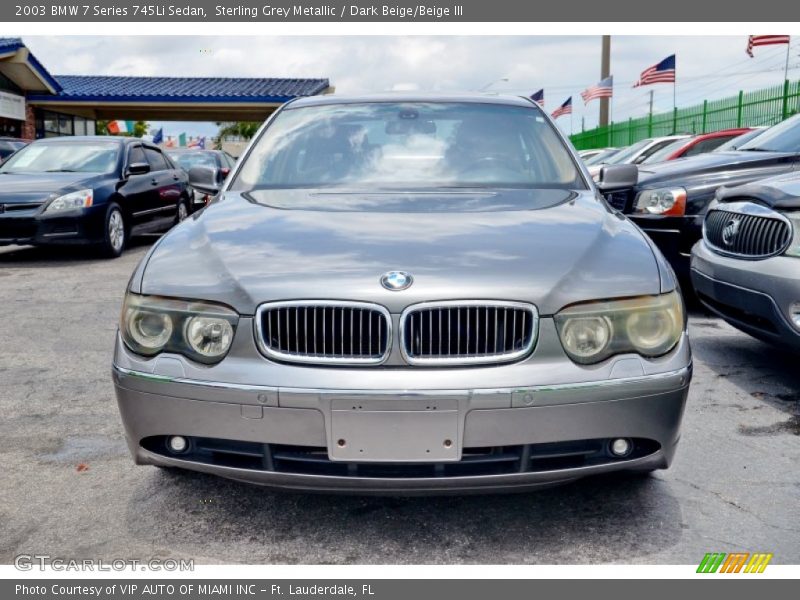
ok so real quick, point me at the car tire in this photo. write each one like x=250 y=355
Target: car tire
x=182 y=212
x=115 y=232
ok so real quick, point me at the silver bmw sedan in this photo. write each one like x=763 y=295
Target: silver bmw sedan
x=404 y=295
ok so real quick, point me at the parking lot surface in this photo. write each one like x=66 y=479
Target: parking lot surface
x=70 y=489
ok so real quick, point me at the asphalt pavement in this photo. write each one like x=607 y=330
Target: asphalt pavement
x=69 y=488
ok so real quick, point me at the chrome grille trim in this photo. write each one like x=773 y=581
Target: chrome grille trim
x=347 y=329
x=482 y=342
x=762 y=233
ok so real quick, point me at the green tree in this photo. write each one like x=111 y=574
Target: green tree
x=243 y=129
x=140 y=128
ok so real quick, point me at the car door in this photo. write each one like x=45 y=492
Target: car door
x=141 y=196
x=166 y=181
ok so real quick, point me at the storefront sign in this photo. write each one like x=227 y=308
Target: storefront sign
x=12 y=106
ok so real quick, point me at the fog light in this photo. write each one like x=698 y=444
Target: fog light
x=178 y=444
x=621 y=447
x=795 y=314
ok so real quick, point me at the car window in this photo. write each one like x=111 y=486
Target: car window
x=738 y=141
x=625 y=155
x=652 y=150
x=414 y=144
x=74 y=156
x=706 y=145
x=188 y=160
x=666 y=151
x=136 y=155
x=602 y=157
x=156 y=159
x=783 y=137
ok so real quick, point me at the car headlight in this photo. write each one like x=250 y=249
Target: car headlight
x=648 y=325
x=71 y=201
x=667 y=201
x=202 y=331
x=794 y=247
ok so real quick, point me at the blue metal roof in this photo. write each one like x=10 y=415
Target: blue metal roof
x=101 y=88
x=12 y=44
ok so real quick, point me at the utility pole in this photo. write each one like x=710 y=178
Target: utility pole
x=605 y=71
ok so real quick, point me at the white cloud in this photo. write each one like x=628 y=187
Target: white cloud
x=708 y=67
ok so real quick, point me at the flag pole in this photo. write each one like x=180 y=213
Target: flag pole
x=786 y=68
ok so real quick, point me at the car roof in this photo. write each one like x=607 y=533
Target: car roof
x=95 y=138
x=470 y=97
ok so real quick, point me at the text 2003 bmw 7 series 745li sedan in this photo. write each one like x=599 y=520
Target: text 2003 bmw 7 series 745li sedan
x=404 y=294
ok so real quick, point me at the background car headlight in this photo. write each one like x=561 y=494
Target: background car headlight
x=647 y=325
x=71 y=201
x=668 y=201
x=794 y=247
x=202 y=331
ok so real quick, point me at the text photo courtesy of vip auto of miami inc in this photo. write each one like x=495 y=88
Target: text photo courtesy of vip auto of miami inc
x=333 y=300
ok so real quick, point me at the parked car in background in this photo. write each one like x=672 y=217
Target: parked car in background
x=369 y=253
x=89 y=190
x=9 y=145
x=635 y=153
x=671 y=198
x=692 y=146
x=601 y=156
x=587 y=154
x=746 y=269
x=738 y=141
x=186 y=158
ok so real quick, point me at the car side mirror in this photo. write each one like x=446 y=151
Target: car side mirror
x=205 y=180
x=617 y=177
x=138 y=168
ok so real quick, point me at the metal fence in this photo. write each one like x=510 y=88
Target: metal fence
x=749 y=109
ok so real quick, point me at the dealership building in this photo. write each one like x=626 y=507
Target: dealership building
x=36 y=104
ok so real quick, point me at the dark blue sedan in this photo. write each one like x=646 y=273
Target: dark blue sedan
x=89 y=190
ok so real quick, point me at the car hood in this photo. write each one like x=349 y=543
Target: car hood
x=780 y=193
x=548 y=247
x=36 y=187
x=716 y=167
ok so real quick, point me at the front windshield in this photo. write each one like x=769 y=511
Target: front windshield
x=67 y=157
x=601 y=158
x=739 y=140
x=783 y=137
x=665 y=152
x=409 y=145
x=189 y=160
x=628 y=154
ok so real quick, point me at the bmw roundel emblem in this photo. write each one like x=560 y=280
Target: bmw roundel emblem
x=396 y=280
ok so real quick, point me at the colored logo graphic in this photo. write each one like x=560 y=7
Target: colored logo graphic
x=737 y=562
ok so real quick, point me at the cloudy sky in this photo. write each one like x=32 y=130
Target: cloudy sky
x=708 y=67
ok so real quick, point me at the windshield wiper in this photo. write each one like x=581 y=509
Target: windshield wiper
x=756 y=150
x=61 y=171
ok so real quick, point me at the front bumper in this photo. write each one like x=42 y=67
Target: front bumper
x=754 y=296
x=528 y=421
x=30 y=227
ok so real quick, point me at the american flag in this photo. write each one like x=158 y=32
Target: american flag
x=538 y=97
x=604 y=89
x=564 y=109
x=663 y=72
x=765 y=40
